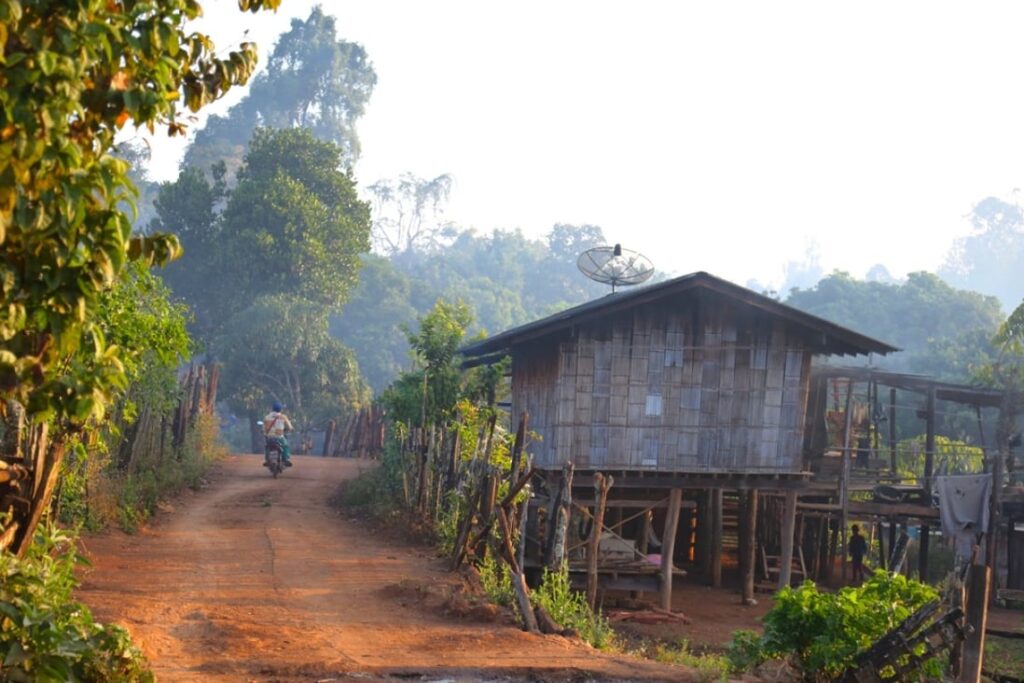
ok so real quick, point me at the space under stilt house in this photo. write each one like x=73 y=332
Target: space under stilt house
x=675 y=414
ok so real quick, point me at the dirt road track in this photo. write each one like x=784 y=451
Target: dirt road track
x=254 y=579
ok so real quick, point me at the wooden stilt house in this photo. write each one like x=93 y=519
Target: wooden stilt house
x=693 y=383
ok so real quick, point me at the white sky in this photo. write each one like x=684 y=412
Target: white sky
x=719 y=136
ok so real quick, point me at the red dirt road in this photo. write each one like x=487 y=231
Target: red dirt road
x=256 y=579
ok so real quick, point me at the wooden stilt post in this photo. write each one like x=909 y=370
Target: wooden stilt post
x=716 y=538
x=788 y=527
x=979 y=579
x=704 y=533
x=601 y=486
x=929 y=464
x=668 y=546
x=892 y=429
x=844 y=476
x=748 y=550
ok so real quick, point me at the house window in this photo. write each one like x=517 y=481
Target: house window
x=653 y=405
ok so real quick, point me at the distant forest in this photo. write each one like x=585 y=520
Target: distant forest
x=355 y=320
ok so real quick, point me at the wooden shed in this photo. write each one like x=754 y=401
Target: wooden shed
x=694 y=374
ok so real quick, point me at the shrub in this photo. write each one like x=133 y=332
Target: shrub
x=570 y=609
x=496 y=580
x=822 y=633
x=47 y=636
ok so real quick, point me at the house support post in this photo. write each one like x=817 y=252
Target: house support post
x=601 y=486
x=788 y=529
x=748 y=550
x=668 y=546
x=929 y=465
x=716 y=538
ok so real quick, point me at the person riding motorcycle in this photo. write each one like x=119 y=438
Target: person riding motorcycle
x=275 y=424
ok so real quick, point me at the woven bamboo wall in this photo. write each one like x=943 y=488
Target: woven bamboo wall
x=654 y=389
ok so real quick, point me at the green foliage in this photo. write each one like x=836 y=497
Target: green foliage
x=496 y=579
x=71 y=77
x=707 y=667
x=45 y=635
x=914 y=315
x=505 y=278
x=279 y=348
x=822 y=633
x=294 y=224
x=313 y=80
x=570 y=609
x=439 y=378
x=951 y=456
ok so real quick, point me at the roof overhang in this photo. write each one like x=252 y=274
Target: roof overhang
x=832 y=339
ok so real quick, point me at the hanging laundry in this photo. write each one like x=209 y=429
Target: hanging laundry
x=964 y=509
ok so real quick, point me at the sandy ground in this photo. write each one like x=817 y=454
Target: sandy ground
x=256 y=579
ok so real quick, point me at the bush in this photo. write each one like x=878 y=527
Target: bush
x=570 y=609
x=496 y=579
x=44 y=634
x=822 y=633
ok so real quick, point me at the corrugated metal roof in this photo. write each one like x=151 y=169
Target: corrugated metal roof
x=835 y=339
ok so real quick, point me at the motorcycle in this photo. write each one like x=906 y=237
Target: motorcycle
x=273 y=455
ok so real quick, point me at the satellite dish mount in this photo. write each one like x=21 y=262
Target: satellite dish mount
x=615 y=266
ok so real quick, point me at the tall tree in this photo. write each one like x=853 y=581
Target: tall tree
x=914 y=315
x=72 y=76
x=279 y=349
x=313 y=80
x=991 y=258
x=409 y=213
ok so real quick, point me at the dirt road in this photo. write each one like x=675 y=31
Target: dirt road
x=255 y=579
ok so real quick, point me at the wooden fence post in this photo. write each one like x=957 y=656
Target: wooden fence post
x=979 y=578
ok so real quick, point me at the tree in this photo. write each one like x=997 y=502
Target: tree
x=72 y=76
x=372 y=321
x=409 y=213
x=990 y=259
x=313 y=80
x=188 y=208
x=941 y=330
x=436 y=385
x=294 y=224
x=279 y=349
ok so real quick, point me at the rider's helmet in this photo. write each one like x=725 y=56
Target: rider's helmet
x=277 y=407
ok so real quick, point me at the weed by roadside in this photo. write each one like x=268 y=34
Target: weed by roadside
x=708 y=667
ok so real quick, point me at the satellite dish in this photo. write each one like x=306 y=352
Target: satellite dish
x=615 y=266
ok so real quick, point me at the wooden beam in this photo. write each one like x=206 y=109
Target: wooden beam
x=788 y=528
x=668 y=546
x=876 y=509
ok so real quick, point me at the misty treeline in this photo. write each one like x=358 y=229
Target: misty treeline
x=306 y=290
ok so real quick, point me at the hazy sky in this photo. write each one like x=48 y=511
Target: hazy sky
x=719 y=136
